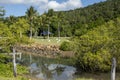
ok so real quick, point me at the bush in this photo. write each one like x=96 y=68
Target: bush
x=66 y=46
x=6 y=67
x=5 y=58
x=6 y=70
x=101 y=61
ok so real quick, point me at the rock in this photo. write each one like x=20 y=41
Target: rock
x=47 y=50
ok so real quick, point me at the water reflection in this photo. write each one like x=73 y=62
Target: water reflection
x=51 y=69
x=45 y=69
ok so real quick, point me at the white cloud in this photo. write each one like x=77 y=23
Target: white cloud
x=70 y=4
x=22 y=1
x=51 y=4
x=10 y=1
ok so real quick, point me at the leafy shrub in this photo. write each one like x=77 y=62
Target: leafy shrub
x=66 y=46
x=5 y=58
x=100 y=61
x=6 y=70
x=95 y=49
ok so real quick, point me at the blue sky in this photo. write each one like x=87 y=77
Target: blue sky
x=19 y=7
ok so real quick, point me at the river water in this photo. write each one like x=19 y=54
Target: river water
x=54 y=69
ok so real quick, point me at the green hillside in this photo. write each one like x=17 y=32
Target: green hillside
x=80 y=20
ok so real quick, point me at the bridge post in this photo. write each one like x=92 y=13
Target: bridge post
x=14 y=64
x=20 y=56
x=113 y=69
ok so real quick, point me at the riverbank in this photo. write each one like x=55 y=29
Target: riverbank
x=6 y=69
x=44 y=50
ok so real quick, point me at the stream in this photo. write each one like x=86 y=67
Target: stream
x=47 y=68
x=54 y=69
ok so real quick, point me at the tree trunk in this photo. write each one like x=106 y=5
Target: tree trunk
x=113 y=69
x=20 y=34
x=20 y=56
x=58 y=31
x=35 y=35
x=30 y=32
x=48 y=33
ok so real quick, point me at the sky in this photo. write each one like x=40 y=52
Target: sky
x=19 y=7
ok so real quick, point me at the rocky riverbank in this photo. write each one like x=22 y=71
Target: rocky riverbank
x=39 y=49
x=44 y=50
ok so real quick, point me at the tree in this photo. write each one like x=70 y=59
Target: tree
x=44 y=24
x=38 y=24
x=59 y=21
x=2 y=12
x=5 y=37
x=49 y=20
x=50 y=13
x=92 y=49
x=30 y=14
x=19 y=30
x=11 y=19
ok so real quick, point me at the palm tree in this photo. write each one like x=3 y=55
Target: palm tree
x=49 y=16
x=60 y=19
x=11 y=19
x=37 y=23
x=31 y=13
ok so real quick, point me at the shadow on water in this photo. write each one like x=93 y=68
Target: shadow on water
x=52 y=69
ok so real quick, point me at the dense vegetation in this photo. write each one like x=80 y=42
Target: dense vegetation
x=11 y=33
x=77 y=22
x=69 y=23
x=95 y=49
x=96 y=36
